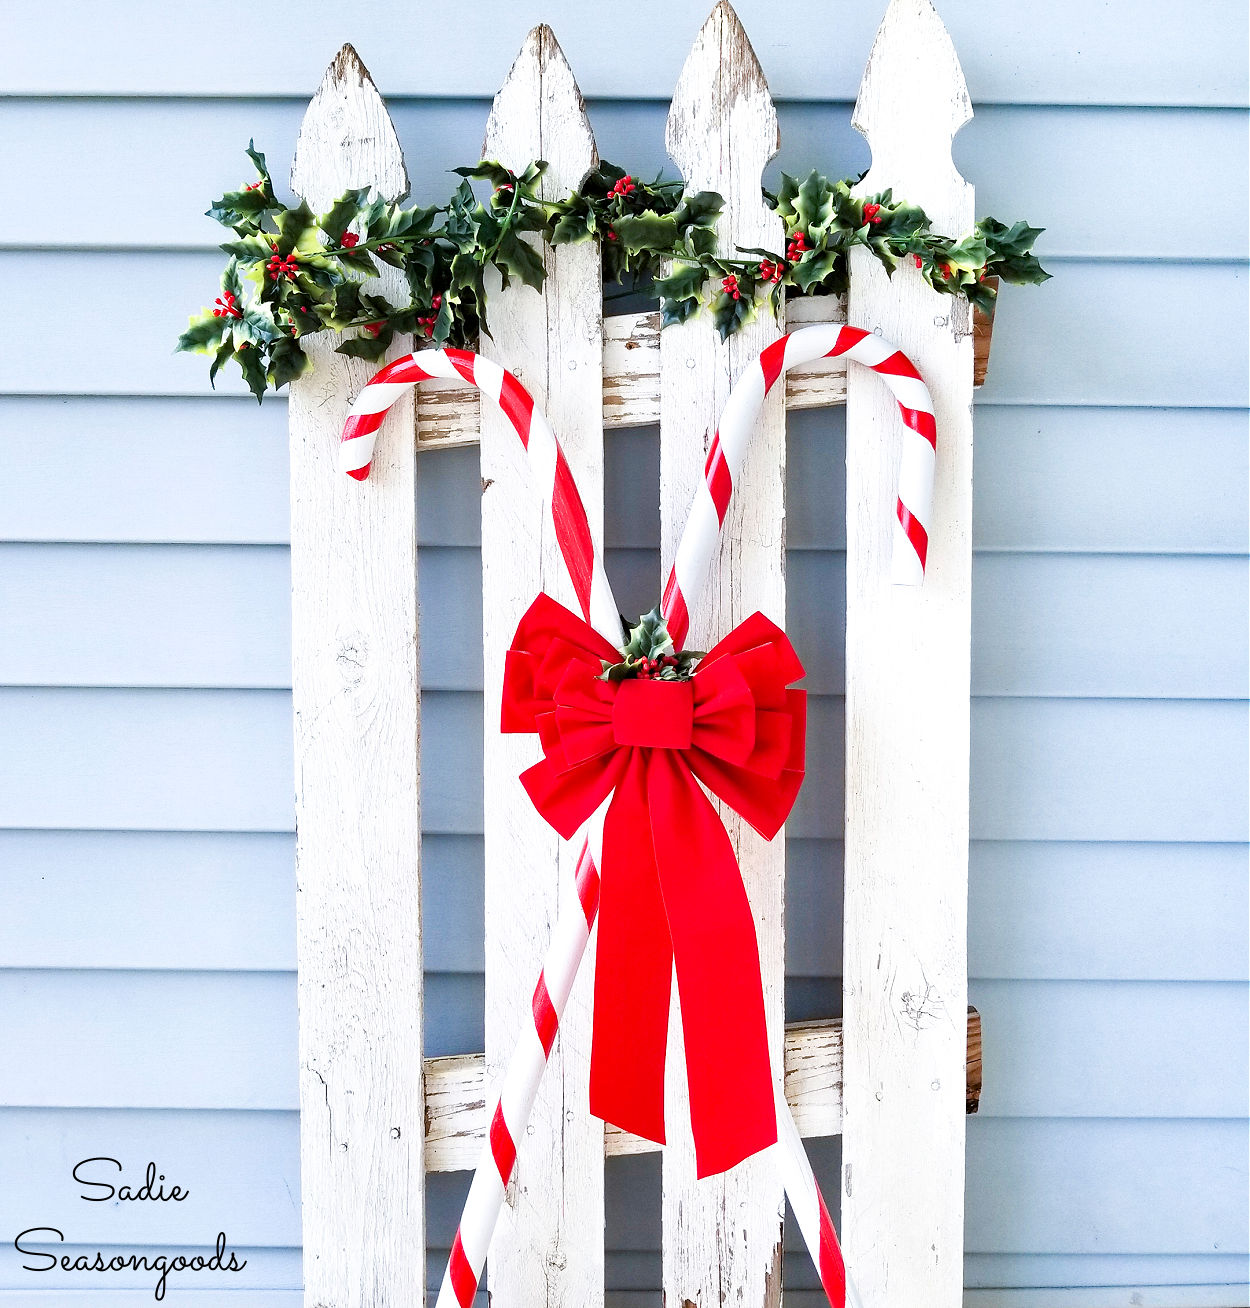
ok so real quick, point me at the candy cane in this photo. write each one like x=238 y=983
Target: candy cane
x=701 y=537
x=561 y=500
x=690 y=568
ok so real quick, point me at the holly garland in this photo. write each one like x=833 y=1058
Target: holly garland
x=291 y=272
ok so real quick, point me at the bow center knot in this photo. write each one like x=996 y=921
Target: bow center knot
x=654 y=714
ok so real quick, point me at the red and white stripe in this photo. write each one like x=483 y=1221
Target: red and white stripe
x=548 y=466
x=522 y=1078
x=701 y=538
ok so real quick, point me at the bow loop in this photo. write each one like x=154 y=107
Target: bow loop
x=671 y=892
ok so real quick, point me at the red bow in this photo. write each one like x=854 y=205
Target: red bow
x=671 y=887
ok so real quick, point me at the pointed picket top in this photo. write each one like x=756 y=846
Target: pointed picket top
x=347 y=138
x=721 y=90
x=912 y=101
x=539 y=113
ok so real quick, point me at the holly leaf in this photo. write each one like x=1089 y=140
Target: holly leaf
x=444 y=322
x=815 y=268
x=516 y=258
x=970 y=253
x=572 y=228
x=487 y=170
x=646 y=231
x=813 y=203
x=252 y=365
x=204 y=333
x=258 y=160
x=648 y=637
x=338 y=217
x=357 y=261
x=984 y=296
x=257 y=245
x=729 y=314
x=224 y=353
x=230 y=283
x=679 y=293
x=242 y=210
x=287 y=361
x=397 y=223
x=256 y=328
x=701 y=209
x=367 y=345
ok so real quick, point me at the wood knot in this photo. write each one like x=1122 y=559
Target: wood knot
x=353 y=653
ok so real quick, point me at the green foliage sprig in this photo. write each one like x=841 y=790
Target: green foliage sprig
x=291 y=271
x=649 y=654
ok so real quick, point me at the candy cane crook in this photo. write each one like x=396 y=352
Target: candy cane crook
x=914 y=508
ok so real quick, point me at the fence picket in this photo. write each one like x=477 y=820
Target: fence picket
x=357 y=723
x=725 y=1231
x=907 y=724
x=548 y=1247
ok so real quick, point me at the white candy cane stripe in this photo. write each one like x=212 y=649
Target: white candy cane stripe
x=521 y=1080
x=548 y=466
x=701 y=537
x=808 y=1206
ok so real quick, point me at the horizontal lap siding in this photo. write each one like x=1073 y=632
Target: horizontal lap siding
x=1065 y=52
x=145 y=805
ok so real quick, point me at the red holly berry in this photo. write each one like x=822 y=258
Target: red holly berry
x=730 y=287
x=280 y=267
x=919 y=261
x=612 y=234
x=622 y=187
x=226 y=306
x=350 y=240
x=254 y=185
x=373 y=328
x=437 y=302
x=870 y=213
x=946 y=272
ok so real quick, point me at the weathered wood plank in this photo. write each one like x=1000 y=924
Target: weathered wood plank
x=448 y=414
x=725 y=1231
x=907 y=719
x=548 y=1247
x=455 y=1095
x=357 y=717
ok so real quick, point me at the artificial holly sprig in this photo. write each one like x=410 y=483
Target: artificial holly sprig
x=649 y=654
x=291 y=272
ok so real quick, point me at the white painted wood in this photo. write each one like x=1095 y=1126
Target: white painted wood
x=354 y=670
x=548 y=1248
x=907 y=716
x=722 y=1235
x=455 y=1096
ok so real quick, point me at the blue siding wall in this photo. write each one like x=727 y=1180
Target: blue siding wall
x=146 y=854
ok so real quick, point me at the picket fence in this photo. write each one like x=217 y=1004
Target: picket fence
x=895 y=1075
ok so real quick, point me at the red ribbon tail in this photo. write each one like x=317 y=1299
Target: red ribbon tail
x=729 y=1073
x=633 y=969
